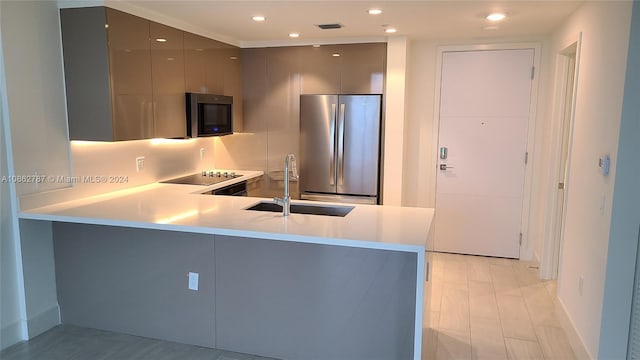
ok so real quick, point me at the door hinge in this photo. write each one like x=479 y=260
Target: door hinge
x=533 y=72
x=526 y=157
x=520 y=238
x=561 y=186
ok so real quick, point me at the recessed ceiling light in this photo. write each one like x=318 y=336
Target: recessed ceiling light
x=335 y=54
x=294 y=35
x=375 y=11
x=161 y=40
x=496 y=16
x=390 y=30
x=258 y=18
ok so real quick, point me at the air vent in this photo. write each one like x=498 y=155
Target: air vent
x=330 y=26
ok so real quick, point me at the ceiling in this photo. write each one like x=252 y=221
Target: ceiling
x=453 y=19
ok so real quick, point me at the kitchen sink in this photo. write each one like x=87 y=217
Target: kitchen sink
x=326 y=210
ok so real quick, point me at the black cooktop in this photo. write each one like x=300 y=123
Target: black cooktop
x=207 y=179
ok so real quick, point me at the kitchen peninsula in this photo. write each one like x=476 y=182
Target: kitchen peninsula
x=302 y=286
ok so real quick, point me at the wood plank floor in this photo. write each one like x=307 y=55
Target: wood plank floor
x=481 y=308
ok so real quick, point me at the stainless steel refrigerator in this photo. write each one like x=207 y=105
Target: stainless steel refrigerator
x=340 y=148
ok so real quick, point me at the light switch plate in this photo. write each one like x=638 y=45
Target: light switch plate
x=201 y=153
x=139 y=163
x=193 y=281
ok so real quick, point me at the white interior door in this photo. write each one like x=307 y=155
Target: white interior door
x=484 y=113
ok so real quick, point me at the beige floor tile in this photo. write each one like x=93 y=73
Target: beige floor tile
x=429 y=344
x=436 y=295
x=478 y=270
x=482 y=300
x=552 y=288
x=486 y=339
x=455 y=345
x=454 y=311
x=540 y=305
x=500 y=261
x=434 y=321
x=515 y=318
x=525 y=275
x=455 y=271
x=504 y=280
x=523 y=350
x=554 y=343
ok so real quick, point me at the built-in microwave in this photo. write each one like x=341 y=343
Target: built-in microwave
x=209 y=115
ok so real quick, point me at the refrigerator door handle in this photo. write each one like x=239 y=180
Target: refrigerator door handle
x=332 y=151
x=341 y=145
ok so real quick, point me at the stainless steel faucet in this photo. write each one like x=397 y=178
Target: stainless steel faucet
x=285 y=201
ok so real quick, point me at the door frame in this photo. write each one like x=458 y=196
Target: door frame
x=550 y=256
x=433 y=158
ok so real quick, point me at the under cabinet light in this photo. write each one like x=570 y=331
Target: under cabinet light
x=496 y=16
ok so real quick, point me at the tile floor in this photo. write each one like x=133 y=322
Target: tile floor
x=491 y=308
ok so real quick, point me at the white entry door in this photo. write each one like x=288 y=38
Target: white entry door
x=484 y=113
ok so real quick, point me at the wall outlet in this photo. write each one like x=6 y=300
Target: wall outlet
x=193 y=281
x=139 y=163
x=201 y=153
x=580 y=285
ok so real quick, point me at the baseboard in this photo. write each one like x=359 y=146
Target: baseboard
x=569 y=328
x=44 y=321
x=11 y=334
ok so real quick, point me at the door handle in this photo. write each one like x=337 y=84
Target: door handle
x=341 y=145
x=332 y=154
x=445 y=167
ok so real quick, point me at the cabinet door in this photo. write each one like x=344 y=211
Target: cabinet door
x=195 y=63
x=363 y=68
x=233 y=83
x=130 y=65
x=320 y=70
x=167 y=65
x=215 y=66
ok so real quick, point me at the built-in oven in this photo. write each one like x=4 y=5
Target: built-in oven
x=239 y=189
x=209 y=115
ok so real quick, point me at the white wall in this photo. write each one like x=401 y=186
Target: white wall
x=11 y=324
x=394 y=121
x=37 y=110
x=605 y=35
x=625 y=214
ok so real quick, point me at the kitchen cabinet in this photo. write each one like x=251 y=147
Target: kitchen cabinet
x=321 y=70
x=126 y=76
x=107 y=64
x=213 y=67
x=130 y=73
x=363 y=68
x=344 y=69
x=168 y=81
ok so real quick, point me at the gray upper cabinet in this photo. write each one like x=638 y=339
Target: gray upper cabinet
x=126 y=76
x=107 y=63
x=131 y=86
x=168 y=80
x=214 y=67
x=344 y=69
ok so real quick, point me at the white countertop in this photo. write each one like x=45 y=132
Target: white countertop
x=183 y=208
